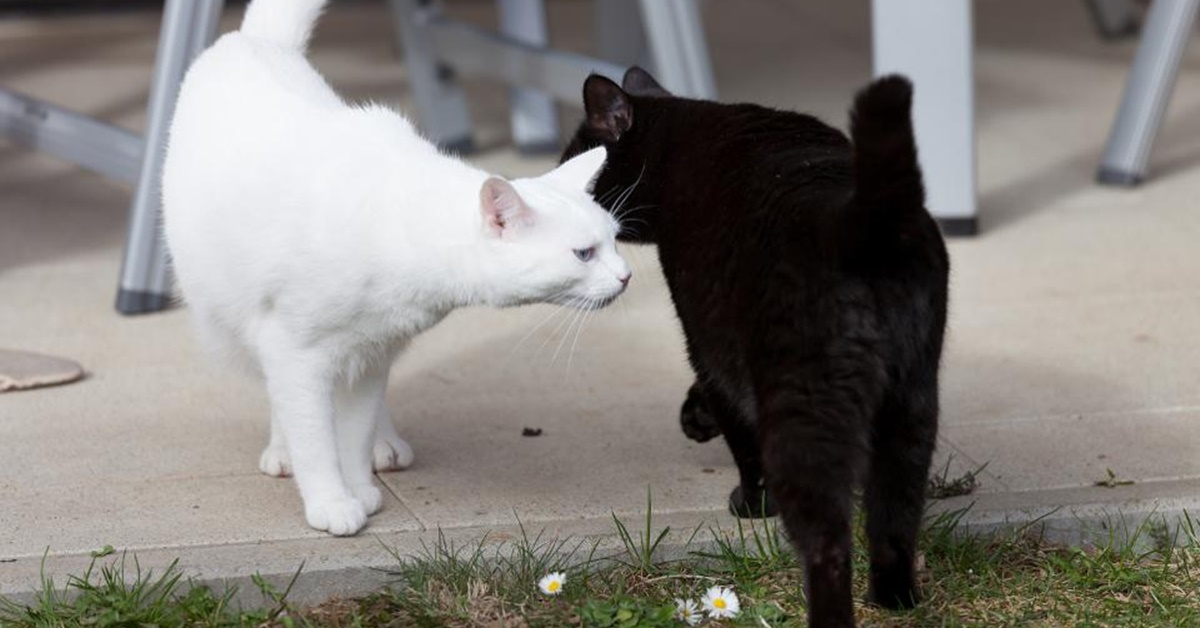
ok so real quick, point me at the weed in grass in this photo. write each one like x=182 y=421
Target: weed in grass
x=533 y=557
x=115 y=594
x=942 y=486
x=639 y=552
x=746 y=557
x=279 y=599
x=1112 y=481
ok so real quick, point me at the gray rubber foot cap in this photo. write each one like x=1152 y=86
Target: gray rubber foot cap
x=959 y=227
x=137 y=302
x=458 y=147
x=1121 y=178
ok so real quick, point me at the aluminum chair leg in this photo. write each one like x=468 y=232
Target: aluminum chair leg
x=620 y=34
x=534 y=118
x=676 y=37
x=187 y=28
x=1114 y=18
x=932 y=44
x=1148 y=91
x=441 y=105
x=97 y=146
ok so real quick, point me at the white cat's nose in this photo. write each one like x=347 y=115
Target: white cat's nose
x=624 y=279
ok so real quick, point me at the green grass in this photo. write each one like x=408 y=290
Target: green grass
x=117 y=592
x=1149 y=577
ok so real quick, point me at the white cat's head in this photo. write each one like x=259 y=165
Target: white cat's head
x=552 y=241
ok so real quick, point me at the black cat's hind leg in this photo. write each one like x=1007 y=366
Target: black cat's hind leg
x=814 y=435
x=904 y=437
x=750 y=499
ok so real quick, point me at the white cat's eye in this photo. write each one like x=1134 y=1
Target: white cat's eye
x=585 y=255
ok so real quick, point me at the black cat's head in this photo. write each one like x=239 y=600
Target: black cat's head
x=621 y=117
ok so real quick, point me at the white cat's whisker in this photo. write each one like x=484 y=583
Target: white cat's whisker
x=619 y=205
x=553 y=312
x=626 y=218
x=607 y=195
x=624 y=310
x=620 y=216
x=629 y=191
x=619 y=194
x=578 y=317
x=591 y=309
x=566 y=312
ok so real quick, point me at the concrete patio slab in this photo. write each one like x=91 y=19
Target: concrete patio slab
x=1047 y=453
x=231 y=510
x=1056 y=357
x=1074 y=345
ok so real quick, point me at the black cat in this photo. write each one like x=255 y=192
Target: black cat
x=811 y=283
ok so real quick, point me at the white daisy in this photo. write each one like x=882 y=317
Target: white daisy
x=721 y=602
x=552 y=583
x=687 y=611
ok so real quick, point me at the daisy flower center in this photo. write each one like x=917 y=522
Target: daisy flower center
x=719 y=603
x=555 y=584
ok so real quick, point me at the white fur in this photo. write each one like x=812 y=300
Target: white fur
x=315 y=239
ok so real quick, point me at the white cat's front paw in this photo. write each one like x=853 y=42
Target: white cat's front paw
x=275 y=462
x=369 y=496
x=392 y=453
x=342 y=516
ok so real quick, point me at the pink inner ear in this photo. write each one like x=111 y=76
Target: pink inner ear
x=501 y=205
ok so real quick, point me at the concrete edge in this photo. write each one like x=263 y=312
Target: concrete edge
x=343 y=567
x=1076 y=516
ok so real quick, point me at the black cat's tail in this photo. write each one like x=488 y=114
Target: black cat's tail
x=888 y=188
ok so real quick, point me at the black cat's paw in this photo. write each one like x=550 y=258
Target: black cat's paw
x=753 y=504
x=895 y=590
x=697 y=421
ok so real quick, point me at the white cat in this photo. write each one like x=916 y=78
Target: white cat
x=315 y=239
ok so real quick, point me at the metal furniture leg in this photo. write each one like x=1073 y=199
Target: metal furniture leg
x=97 y=146
x=187 y=28
x=441 y=106
x=931 y=43
x=1114 y=18
x=676 y=38
x=1148 y=91
x=620 y=34
x=534 y=118
x=204 y=27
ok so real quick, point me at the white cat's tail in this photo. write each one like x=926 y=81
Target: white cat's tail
x=287 y=23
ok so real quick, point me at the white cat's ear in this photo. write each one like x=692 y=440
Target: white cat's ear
x=580 y=171
x=502 y=208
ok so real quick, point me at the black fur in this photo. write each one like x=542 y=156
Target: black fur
x=811 y=284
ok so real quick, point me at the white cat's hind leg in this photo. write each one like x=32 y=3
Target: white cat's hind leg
x=300 y=383
x=224 y=346
x=391 y=453
x=274 y=460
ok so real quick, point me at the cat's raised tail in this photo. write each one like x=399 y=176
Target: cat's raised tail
x=887 y=175
x=287 y=23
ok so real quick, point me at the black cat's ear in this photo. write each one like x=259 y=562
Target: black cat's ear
x=639 y=83
x=609 y=113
